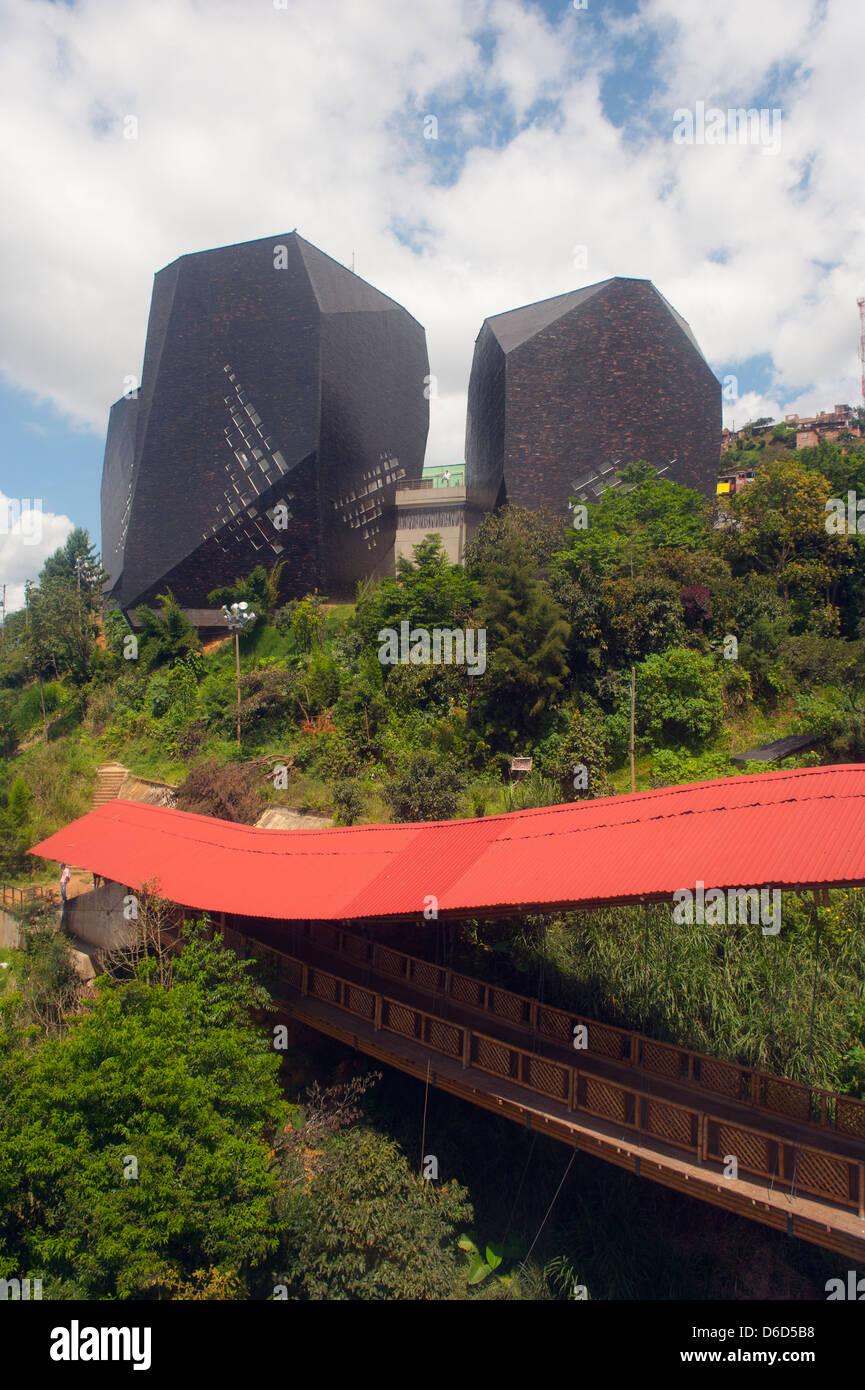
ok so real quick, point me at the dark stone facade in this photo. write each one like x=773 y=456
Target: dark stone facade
x=282 y=400
x=562 y=388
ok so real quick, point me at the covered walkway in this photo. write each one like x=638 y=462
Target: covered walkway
x=801 y=829
x=307 y=900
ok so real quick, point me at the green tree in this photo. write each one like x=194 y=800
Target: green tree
x=307 y=623
x=426 y=788
x=165 y=636
x=260 y=589
x=576 y=756
x=370 y=1228
x=781 y=522
x=537 y=534
x=18 y=801
x=362 y=711
x=347 y=801
x=636 y=521
x=60 y=621
x=526 y=644
x=76 y=563
x=679 y=697
x=61 y=632
x=428 y=591
x=179 y=1081
x=638 y=616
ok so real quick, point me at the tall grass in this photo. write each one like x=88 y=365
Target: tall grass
x=725 y=990
x=60 y=776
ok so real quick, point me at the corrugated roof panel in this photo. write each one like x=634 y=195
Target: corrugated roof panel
x=805 y=827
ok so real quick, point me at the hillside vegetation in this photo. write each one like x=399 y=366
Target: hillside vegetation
x=261 y=1176
x=739 y=634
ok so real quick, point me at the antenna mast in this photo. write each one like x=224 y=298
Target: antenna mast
x=861 y=304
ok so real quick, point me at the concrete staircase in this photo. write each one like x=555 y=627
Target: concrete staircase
x=109 y=779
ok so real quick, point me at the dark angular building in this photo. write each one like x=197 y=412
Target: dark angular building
x=282 y=400
x=562 y=389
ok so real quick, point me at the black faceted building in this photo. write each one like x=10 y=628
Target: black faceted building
x=563 y=390
x=282 y=400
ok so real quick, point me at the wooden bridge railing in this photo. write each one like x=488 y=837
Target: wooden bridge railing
x=10 y=894
x=776 y=1095
x=693 y=1130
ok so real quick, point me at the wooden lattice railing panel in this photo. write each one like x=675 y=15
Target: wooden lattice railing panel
x=360 y=1001
x=672 y=1123
x=323 y=986
x=825 y=1175
x=662 y=1060
x=400 y=1019
x=495 y=1057
x=388 y=962
x=754 y=1152
x=445 y=1037
x=467 y=990
x=850 y=1116
x=607 y=1041
x=291 y=971
x=602 y=1098
x=513 y=1007
x=721 y=1078
x=555 y=1023
x=784 y=1097
x=548 y=1078
x=828 y=1176
x=428 y=976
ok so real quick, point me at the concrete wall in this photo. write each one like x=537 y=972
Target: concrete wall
x=97 y=918
x=450 y=512
x=8 y=930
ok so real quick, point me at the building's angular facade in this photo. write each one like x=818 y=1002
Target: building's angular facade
x=563 y=389
x=282 y=399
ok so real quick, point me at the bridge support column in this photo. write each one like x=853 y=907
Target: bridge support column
x=702 y=1138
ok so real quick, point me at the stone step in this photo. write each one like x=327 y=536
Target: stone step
x=109 y=780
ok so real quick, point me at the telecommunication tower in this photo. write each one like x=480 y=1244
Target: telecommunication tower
x=861 y=303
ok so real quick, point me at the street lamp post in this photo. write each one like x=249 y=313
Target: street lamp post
x=237 y=617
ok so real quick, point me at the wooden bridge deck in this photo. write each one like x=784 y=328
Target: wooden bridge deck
x=661 y=1112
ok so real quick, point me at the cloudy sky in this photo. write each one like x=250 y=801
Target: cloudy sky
x=131 y=134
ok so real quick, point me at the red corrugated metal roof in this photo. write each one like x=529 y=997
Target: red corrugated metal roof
x=780 y=829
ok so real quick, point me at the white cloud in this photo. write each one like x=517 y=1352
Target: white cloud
x=27 y=537
x=254 y=120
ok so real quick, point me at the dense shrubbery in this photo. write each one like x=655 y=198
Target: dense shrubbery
x=369 y=1227
x=427 y=789
x=650 y=582
x=147 y=1150
x=230 y=792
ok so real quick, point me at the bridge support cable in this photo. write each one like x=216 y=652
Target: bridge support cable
x=519 y=1189
x=525 y=1261
x=818 y=923
x=423 y=1125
